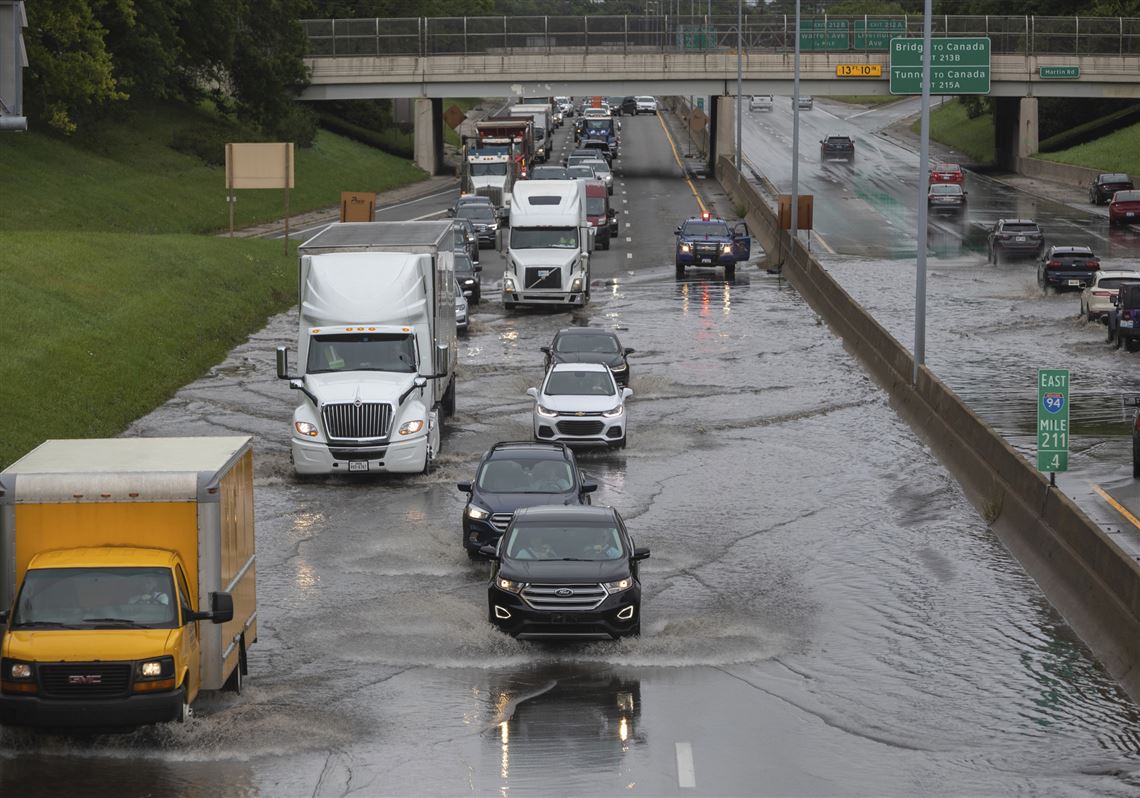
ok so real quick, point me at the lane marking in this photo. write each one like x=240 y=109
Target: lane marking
x=681 y=165
x=1115 y=504
x=686 y=772
x=628 y=239
x=629 y=255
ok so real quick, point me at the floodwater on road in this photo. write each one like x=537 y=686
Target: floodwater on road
x=824 y=612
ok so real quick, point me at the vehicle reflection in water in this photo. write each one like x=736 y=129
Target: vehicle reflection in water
x=708 y=291
x=556 y=714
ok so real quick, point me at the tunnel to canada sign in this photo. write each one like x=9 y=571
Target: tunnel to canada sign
x=1052 y=420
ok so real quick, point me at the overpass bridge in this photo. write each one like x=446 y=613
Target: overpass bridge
x=432 y=58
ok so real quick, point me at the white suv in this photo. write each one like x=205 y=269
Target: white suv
x=646 y=105
x=760 y=102
x=580 y=403
x=1096 y=298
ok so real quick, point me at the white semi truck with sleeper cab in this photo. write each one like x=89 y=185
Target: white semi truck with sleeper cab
x=550 y=241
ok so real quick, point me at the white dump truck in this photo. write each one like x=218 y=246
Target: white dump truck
x=543 y=128
x=550 y=241
x=376 y=348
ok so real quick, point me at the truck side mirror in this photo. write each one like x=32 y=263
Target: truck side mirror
x=640 y=553
x=545 y=349
x=4 y=617
x=221 y=607
x=629 y=350
x=532 y=392
x=499 y=240
x=489 y=551
x=589 y=486
x=282 y=363
x=626 y=393
x=677 y=231
x=419 y=382
x=442 y=359
x=464 y=487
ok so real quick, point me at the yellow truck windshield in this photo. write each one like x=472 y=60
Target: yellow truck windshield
x=96 y=598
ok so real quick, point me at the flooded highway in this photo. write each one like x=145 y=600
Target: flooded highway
x=989 y=327
x=823 y=613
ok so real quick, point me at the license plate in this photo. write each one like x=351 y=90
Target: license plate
x=1126 y=323
x=1074 y=282
x=1130 y=213
x=357 y=465
x=1019 y=238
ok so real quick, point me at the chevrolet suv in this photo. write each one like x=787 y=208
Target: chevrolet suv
x=1015 y=237
x=565 y=572
x=515 y=474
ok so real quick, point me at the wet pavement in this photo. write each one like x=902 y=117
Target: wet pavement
x=989 y=328
x=824 y=612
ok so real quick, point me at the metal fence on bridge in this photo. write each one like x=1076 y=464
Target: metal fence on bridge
x=428 y=36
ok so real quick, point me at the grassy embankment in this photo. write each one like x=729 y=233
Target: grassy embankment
x=950 y=125
x=1116 y=152
x=465 y=104
x=113 y=293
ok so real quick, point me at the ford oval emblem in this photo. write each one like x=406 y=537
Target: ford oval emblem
x=564 y=592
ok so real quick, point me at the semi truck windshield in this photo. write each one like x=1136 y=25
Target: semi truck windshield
x=544 y=238
x=488 y=169
x=361 y=352
x=96 y=597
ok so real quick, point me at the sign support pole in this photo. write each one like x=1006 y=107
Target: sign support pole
x=288 y=175
x=920 y=233
x=230 y=184
x=796 y=129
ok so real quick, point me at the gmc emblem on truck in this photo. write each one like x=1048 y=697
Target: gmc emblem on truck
x=93 y=678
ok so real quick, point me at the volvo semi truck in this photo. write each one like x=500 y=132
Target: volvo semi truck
x=550 y=241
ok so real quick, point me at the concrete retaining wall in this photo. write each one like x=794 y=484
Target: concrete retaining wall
x=1091 y=581
x=1077 y=176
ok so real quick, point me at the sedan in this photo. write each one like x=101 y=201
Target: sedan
x=589 y=345
x=1067 y=267
x=946 y=198
x=565 y=572
x=580 y=403
x=947 y=173
x=1096 y=298
x=470 y=278
x=1105 y=185
x=602 y=171
x=646 y=105
x=1124 y=207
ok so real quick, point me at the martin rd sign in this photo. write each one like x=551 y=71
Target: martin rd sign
x=957 y=66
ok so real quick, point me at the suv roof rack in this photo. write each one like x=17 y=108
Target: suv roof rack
x=530 y=445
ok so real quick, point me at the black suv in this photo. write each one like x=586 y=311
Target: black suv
x=589 y=345
x=565 y=572
x=629 y=106
x=837 y=147
x=515 y=474
x=1067 y=267
x=1124 y=318
x=1015 y=237
x=470 y=278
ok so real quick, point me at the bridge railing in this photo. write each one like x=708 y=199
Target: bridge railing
x=429 y=36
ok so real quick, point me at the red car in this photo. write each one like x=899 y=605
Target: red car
x=947 y=173
x=1124 y=208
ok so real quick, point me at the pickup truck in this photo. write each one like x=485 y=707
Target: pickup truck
x=708 y=241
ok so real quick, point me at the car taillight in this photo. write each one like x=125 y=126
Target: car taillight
x=1092 y=264
x=1053 y=264
x=1102 y=293
x=1127 y=314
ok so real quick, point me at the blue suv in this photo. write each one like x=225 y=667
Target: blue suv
x=516 y=474
x=709 y=241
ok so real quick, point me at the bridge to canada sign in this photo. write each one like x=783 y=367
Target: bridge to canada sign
x=958 y=65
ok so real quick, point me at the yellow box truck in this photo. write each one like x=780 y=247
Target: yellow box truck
x=127 y=579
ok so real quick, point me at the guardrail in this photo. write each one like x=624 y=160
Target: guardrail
x=428 y=36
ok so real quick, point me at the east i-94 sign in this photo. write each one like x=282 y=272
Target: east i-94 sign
x=1052 y=420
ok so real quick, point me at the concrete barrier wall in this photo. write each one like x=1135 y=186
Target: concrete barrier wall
x=1077 y=176
x=1091 y=581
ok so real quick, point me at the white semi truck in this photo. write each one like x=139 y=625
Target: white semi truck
x=376 y=349
x=543 y=128
x=548 y=256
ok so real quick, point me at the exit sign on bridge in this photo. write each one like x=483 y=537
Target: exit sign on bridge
x=957 y=66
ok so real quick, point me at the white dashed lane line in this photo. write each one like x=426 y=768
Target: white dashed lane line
x=686 y=772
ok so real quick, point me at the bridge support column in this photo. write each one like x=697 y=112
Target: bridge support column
x=722 y=130
x=427 y=134
x=1015 y=130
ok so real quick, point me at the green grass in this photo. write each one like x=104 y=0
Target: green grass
x=868 y=99
x=950 y=125
x=109 y=301
x=1116 y=152
x=124 y=177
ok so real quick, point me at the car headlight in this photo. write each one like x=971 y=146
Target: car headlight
x=305 y=428
x=619 y=367
x=411 y=427
x=543 y=411
x=726 y=249
x=614 y=412
x=477 y=513
x=469 y=281
x=155 y=668
x=618 y=586
x=509 y=586
x=18 y=670
x=685 y=248
x=508 y=284
x=576 y=285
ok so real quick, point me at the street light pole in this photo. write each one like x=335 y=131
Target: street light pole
x=796 y=129
x=920 y=234
x=739 y=75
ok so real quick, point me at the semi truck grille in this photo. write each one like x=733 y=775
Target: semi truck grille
x=493 y=193
x=580 y=427
x=357 y=422
x=501 y=521
x=79 y=680
x=542 y=277
x=560 y=598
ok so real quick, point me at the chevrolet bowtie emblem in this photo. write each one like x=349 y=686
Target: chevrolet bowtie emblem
x=579 y=413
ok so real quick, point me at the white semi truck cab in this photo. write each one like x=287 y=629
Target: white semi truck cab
x=550 y=241
x=376 y=347
x=489 y=173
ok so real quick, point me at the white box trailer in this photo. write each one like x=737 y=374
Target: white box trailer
x=377 y=347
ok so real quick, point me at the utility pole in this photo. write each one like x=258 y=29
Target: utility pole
x=920 y=234
x=739 y=76
x=796 y=129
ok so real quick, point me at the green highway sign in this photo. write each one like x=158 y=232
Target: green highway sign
x=958 y=65
x=823 y=34
x=875 y=34
x=1052 y=419
x=1059 y=72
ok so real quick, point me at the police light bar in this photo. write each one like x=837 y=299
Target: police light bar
x=705 y=216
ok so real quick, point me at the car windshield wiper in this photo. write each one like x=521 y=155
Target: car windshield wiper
x=37 y=623
x=114 y=620
x=576 y=559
